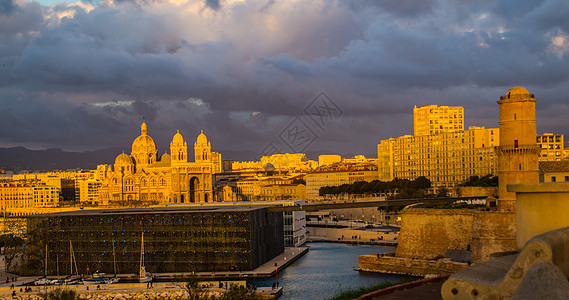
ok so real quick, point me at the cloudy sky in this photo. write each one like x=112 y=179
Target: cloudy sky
x=82 y=75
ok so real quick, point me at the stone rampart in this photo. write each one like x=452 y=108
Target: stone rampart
x=475 y=191
x=429 y=233
x=417 y=267
x=492 y=231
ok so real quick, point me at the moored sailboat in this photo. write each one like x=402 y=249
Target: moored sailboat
x=143 y=276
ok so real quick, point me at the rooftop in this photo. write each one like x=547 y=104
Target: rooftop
x=153 y=210
x=554 y=166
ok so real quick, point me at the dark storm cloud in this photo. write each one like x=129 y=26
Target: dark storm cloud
x=213 y=4
x=7 y=7
x=83 y=75
x=147 y=110
x=404 y=8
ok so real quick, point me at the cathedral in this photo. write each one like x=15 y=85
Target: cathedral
x=142 y=178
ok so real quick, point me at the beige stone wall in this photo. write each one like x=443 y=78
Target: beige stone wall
x=493 y=231
x=475 y=191
x=416 y=267
x=428 y=233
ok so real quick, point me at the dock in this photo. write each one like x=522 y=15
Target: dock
x=168 y=281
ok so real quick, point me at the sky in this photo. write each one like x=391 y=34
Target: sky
x=270 y=76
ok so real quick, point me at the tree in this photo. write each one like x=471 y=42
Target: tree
x=484 y=181
x=443 y=192
x=195 y=291
x=237 y=292
x=10 y=240
x=421 y=182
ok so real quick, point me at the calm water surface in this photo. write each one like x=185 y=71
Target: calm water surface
x=326 y=270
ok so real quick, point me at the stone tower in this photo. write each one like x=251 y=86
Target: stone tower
x=518 y=151
x=178 y=149
x=202 y=149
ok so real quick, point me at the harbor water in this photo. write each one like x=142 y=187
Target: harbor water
x=326 y=270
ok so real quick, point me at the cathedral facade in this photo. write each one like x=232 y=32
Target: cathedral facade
x=142 y=178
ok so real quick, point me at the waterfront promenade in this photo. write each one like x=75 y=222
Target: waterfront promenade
x=165 y=281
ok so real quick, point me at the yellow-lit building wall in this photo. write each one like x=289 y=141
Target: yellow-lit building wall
x=551 y=147
x=316 y=180
x=328 y=159
x=446 y=159
x=89 y=191
x=283 y=192
x=433 y=119
x=27 y=197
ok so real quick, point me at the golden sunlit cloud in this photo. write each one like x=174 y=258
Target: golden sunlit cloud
x=559 y=43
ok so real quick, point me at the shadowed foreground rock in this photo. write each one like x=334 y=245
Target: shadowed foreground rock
x=505 y=276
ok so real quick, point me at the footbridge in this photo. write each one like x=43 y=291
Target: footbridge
x=372 y=203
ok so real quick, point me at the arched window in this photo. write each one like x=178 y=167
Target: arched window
x=129 y=185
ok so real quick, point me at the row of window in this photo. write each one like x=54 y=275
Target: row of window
x=554 y=178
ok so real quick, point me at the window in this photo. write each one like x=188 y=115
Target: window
x=553 y=179
x=129 y=185
x=566 y=178
x=515 y=143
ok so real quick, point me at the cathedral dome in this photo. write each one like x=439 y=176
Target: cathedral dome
x=143 y=143
x=202 y=139
x=178 y=138
x=123 y=159
x=165 y=157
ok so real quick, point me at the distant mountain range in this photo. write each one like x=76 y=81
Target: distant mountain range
x=21 y=158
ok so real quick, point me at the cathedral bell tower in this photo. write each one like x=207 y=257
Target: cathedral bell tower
x=202 y=149
x=178 y=149
x=518 y=150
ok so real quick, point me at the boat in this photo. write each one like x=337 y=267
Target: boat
x=143 y=276
x=60 y=281
x=112 y=280
x=72 y=279
x=42 y=280
x=94 y=280
x=102 y=278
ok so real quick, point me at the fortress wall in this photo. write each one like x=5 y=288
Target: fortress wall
x=428 y=233
x=493 y=231
x=475 y=191
x=416 y=267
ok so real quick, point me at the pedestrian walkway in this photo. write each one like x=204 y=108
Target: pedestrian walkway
x=266 y=270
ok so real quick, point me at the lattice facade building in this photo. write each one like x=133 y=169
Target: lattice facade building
x=177 y=239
